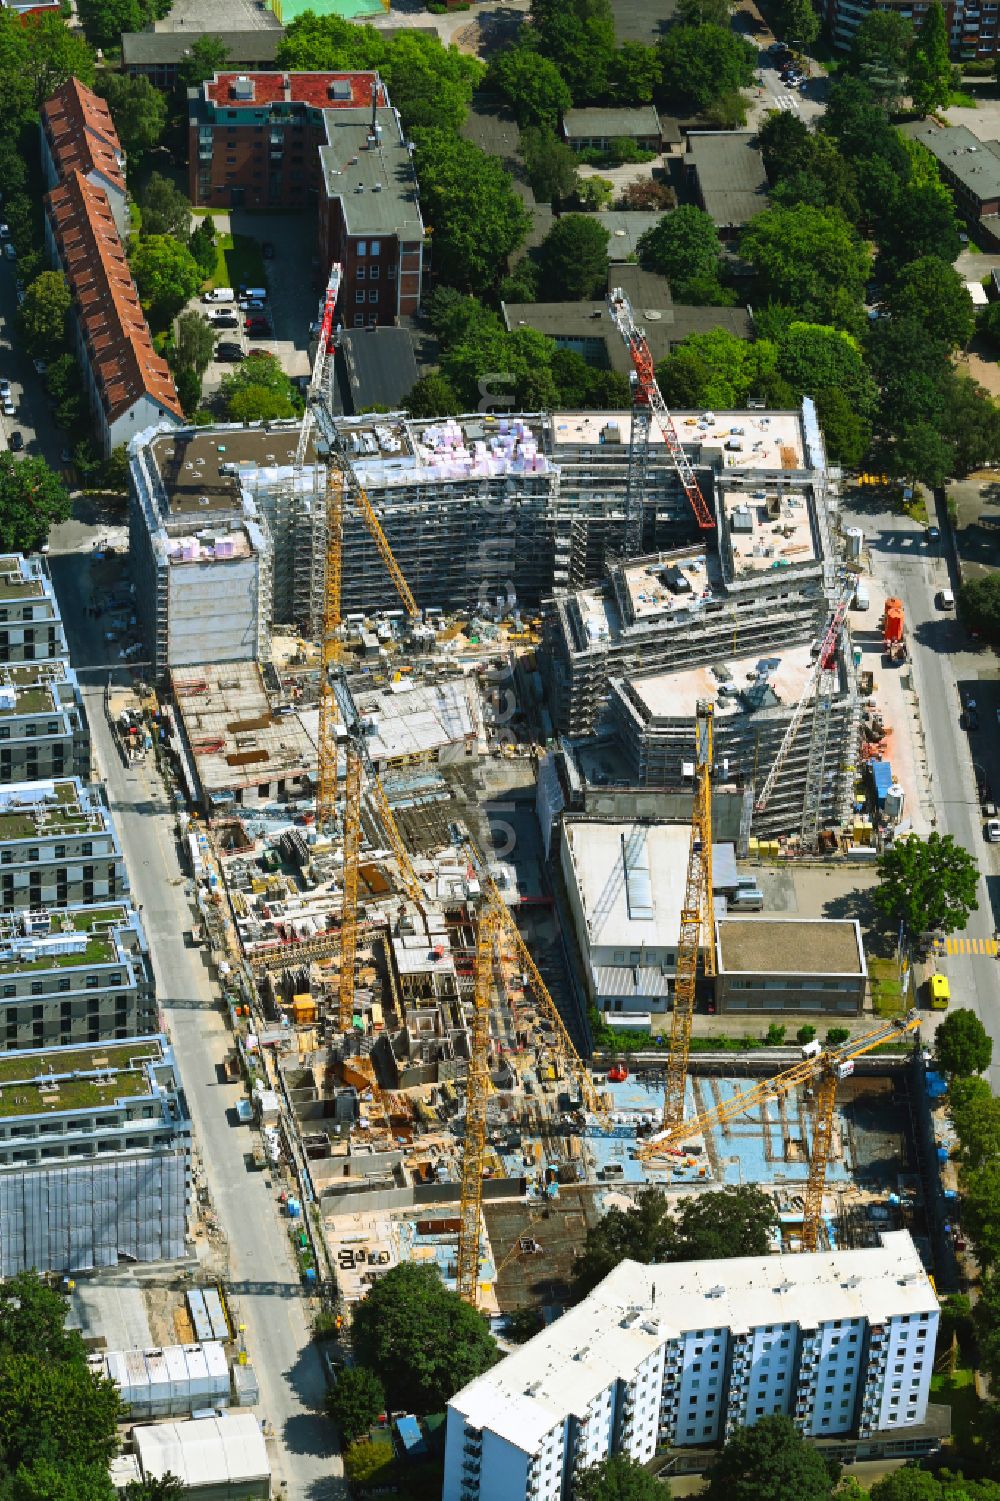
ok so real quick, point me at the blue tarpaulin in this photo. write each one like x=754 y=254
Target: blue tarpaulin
x=882 y=777
x=410 y=1436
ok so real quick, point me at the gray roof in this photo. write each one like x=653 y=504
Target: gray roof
x=731 y=176
x=583 y=123
x=376 y=185
x=625 y=230
x=572 y=323
x=972 y=162
x=145 y=48
x=638 y=21
x=380 y=366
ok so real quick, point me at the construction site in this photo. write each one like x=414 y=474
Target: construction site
x=420 y=633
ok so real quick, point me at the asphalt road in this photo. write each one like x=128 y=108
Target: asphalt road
x=946 y=664
x=32 y=418
x=262 y=1279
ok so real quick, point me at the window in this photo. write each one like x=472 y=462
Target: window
x=376 y=246
x=374 y=273
x=360 y=296
x=360 y=273
x=373 y=296
x=361 y=247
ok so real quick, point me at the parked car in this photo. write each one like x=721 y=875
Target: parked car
x=945 y=599
x=969 y=719
x=219 y=294
x=9 y=251
x=223 y=317
x=933 y=534
x=4 y=388
x=253 y=305
x=252 y=294
x=7 y=404
x=993 y=831
x=16 y=442
x=40 y=366
x=229 y=353
x=258 y=325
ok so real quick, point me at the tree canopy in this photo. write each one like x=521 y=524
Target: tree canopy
x=770 y=1462
x=42 y=315
x=139 y=111
x=811 y=260
x=356 y=1401
x=929 y=883
x=32 y=499
x=684 y=247
x=979 y=602
x=258 y=390
x=165 y=209
x=468 y=202
x=579 y=37
x=550 y=164
x=934 y=294
x=420 y=1339
x=206 y=56
x=703 y=64
x=37 y=59
x=797 y=21
x=716 y=370
x=929 y=66
x=105 y=20
x=617 y=1479
x=962 y=1045
x=533 y=86
x=166 y=275
x=573 y=259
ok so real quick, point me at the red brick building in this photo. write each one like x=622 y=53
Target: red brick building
x=972 y=24
x=289 y=140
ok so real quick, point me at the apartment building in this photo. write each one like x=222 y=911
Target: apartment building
x=58 y=847
x=79 y=135
x=95 y=1157
x=30 y=627
x=74 y=975
x=972 y=24
x=681 y=1356
x=43 y=729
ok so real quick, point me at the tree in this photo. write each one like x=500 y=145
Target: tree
x=139 y=111
x=769 y=1462
x=165 y=209
x=366 y=1462
x=845 y=433
x=635 y=72
x=919 y=220
x=929 y=70
x=431 y=85
x=105 y=20
x=882 y=40
x=814 y=358
x=811 y=260
x=579 y=37
x=356 y=1401
x=433 y=396
x=617 y=1479
x=979 y=603
x=970 y=423
x=420 y=1339
x=683 y=247
x=60 y=1413
x=33 y=1317
x=188 y=383
x=962 y=1046
x=50 y=55
x=42 y=315
x=573 y=259
x=469 y=202
x=32 y=499
x=48 y=1480
x=194 y=341
x=202 y=246
x=166 y=274
x=797 y=22
x=206 y=56
x=933 y=293
x=929 y=883
x=702 y=64
x=259 y=391
x=702 y=12
x=716 y=369
x=549 y=163
x=533 y=86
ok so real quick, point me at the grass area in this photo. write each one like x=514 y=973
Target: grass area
x=916 y=506
x=71 y=1094
x=85 y=922
x=959 y=1393
x=32 y=701
x=887 y=993
x=99 y=950
x=959 y=99
x=237 y=260
x=75 y=1060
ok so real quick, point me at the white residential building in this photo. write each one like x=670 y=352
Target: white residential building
x=682 y=1355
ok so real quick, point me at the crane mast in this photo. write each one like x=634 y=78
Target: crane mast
x=476 y=1100
x=695 y=913
x=647 y=403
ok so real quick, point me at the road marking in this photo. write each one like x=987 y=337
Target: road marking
x=985 y=946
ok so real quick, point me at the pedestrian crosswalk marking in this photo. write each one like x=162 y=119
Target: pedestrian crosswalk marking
x=969 y=946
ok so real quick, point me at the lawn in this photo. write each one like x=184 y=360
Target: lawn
x=237 y=261
x=959 y=1393
x=887 y=994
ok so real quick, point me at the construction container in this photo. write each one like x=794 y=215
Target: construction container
x=892 y=621
x=894 y=800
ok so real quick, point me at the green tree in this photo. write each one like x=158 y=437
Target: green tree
x=814 y=358
x=49 y=1480
x=139 y=110
x=433 y=396
x=769 y=1462
x=61 y=1413
x=716 y=369
x=986 y=1318
x=929 y=883
x=431 y=85
x=594 y=193
x=51 y=55
x=970 y=423
x=573 y=259
x=188 y=383
x=202 y=246
x=975 y=1115
x=533 y=86
x=194 y=341
x=635 y=71
x=882 y=40
x=32 y=499
x=366 y=1462
x=920 y=452
x=703 y=12
x=617 y=1479
x=105 y=20
x=684 y=247
x=702 y=64
x=932 y=292
x=962 y=1045
x=811 y=260
x=979 y=603
x=980 y=1196
x=32 y=1314
x=797 y=22
x=165 y=209
x=920 y=220
x=41 y=318
x=206 y=56
x=421 y=1340
x=846 y=434
x=468 y=201
x=929 y=66
x=356 y=1401
x=166 y=274
x=13 y=167
x=579 y=37
x=258 y=391
x=549 y=163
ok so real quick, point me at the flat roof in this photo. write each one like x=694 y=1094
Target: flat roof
x=380 y=365
x=376 y=184
x=790 y=945
x=49 y=1081
x=641 y=121
x=669 y=583
x=233 y=736
x=731 y=177
x=666 y=324
x=675 y=695
x=196 y=465
x=21 y=577
x=47 y=809
x=638 y=21
x=204 y=1452
x=95 y=923
x=630 y=880
x=971 y=161
x=768 y=530
x=626 y=228
x=637 y=1308
x=769 y=440
x=147 y=48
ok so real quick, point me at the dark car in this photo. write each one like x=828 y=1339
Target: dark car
x=230 y=353
x=258 y=325
x=933 y=534
x=970 y=719
x=267 y=250
x=16 y=442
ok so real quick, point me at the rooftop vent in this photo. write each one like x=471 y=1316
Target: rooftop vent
x=242 y=87
x=340 y=88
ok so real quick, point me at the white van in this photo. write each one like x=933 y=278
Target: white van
x=861 y=599
x=219 y=294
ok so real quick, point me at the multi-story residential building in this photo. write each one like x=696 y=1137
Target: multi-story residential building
x=683 y=1355
x=285 y=140
x=79 y=135
x=95 y=1157
x=30 y=627
x=43 y=729
x=58 y=847
x=74 y=975
x=972 y=24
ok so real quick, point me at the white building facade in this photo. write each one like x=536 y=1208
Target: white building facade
x=683 y=1355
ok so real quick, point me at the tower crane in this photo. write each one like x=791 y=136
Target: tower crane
x=696 y=913
x=476 y=1099
x=825 y=1067
x=821 y=681
x=324 y=347
x=647 y=403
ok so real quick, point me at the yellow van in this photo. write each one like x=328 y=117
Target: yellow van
x=940 y=992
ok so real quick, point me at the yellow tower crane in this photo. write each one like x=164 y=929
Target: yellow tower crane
x=824 y=1067
x=476 y=1099
x=696 y=916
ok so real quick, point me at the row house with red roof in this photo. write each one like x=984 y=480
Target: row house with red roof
x=79 y=135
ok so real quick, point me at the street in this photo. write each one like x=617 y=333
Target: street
x=32 y=418
x=943 y=659
x=263 y=1280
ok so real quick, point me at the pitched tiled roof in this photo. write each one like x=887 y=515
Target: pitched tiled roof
x=81 y=134
x=120 y=348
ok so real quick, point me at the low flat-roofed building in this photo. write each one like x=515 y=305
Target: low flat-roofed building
x=157 y=55
x=43 y=729
x=75 y=975
x=379 y=365
x=726 y=172
x=585 y=328
x=95 y=1157
x=970 y=166
x=31 y=629
x=58 y=846
x=595 y=129
x=790 y=964
x=214 y=1458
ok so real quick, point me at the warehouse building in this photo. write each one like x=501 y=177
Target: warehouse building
x=58 y=846
x=683 y=1355
x=30 y=627
x=790 y=964
x=95 y=1157
x=43 y=729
